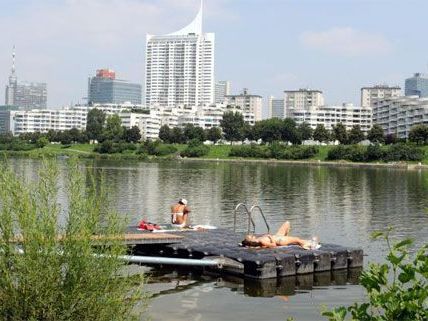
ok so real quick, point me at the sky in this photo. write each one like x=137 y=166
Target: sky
x=267 y=46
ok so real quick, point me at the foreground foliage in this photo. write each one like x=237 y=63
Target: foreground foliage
x=404 y=298
x=49 y=267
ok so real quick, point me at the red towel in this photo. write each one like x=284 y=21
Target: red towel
x=143 y=225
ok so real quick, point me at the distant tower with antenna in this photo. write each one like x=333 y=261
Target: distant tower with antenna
x=12 y=85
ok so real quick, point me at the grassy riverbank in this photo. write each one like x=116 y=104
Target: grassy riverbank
x=220 y=152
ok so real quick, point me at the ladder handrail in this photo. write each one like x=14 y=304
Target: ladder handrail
x=263 y=215
x=250 y=220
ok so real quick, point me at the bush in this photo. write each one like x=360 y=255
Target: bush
x=338 y=152
x=354 y=153
x=56 y=273
x=253 y=151
x=403 y=298
x=195 y=151
x=403 y=152
x=302 y=152
x=164 y=150
x=374 y=152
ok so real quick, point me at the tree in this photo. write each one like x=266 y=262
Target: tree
x=132 y=135
x=214 y=134
x=419 y=134
x=165 y=134
x=340 y=133
x=355 y=135
x=64 y=137
x=268 y=130
x=249 y=132
x=305 y=131
x=232 y=125
x=74 y=135
x=321 y=134
x=52 y=136
x=57 y=273
x=42 y=142
x=192 y=132
x=113 y=129
x=375 y=135
x=95 y=123
x=290 y=132
x=177 y=136
x=390 y=139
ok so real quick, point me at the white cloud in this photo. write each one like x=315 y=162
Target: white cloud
x=346 y=41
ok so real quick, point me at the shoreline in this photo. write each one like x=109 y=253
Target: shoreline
x=313 y=163
x=139 y=158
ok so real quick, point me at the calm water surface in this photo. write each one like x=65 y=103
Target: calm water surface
x=340 y=205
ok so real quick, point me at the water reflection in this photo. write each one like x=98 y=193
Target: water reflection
x=180 y=280
x=340 y=205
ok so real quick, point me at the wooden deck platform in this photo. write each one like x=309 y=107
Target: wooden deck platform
x=252 y=262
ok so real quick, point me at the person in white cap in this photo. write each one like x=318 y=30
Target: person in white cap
x=180 y=213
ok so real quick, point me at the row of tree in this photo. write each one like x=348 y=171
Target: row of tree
x=235 y=129
x=99 y=127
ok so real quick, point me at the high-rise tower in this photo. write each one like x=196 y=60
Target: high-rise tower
x=11 y=86
x=180 y=67
x=25 y=95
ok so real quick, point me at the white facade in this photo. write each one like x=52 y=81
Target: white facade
x=347 y=114
x=276 y=107
x=222 y=89
x=371 y=94
x=180 y=67
x=148 y=121
x=43 y=120
x=398 y=115
x=205 y=117
x=247 y=103
x=302 y=99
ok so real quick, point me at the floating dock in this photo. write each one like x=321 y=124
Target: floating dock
x=254 y=263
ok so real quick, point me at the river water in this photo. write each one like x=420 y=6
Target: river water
x=340 y=205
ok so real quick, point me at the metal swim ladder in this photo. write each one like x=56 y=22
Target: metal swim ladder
x=250 y=216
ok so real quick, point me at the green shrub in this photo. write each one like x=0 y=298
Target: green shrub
x=52 y=271
x=302 y=152
x=403 y=152
x=196 y=151
x=338 y=152
x=403 y=298
x=164 y=150
x=253 y=151
x=374 y=152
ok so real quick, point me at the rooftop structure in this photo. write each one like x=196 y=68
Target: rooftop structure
x=104 y=88
x=180 y=67
x=373 y=93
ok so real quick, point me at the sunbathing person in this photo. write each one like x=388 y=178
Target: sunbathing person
x=281 y=238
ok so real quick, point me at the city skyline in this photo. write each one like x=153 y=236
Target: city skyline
x=303 y=47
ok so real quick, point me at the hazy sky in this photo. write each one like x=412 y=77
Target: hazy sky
x=268 y=46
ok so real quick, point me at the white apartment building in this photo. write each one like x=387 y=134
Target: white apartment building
x=247 y=103
x=205 y=117
x=180 y=67
x=222 y=89
x=347 y=114
x=276 y=107
x=371 y=94
x=302 y=99
x=397 y=115
x=149 y=124
x=43 y=120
